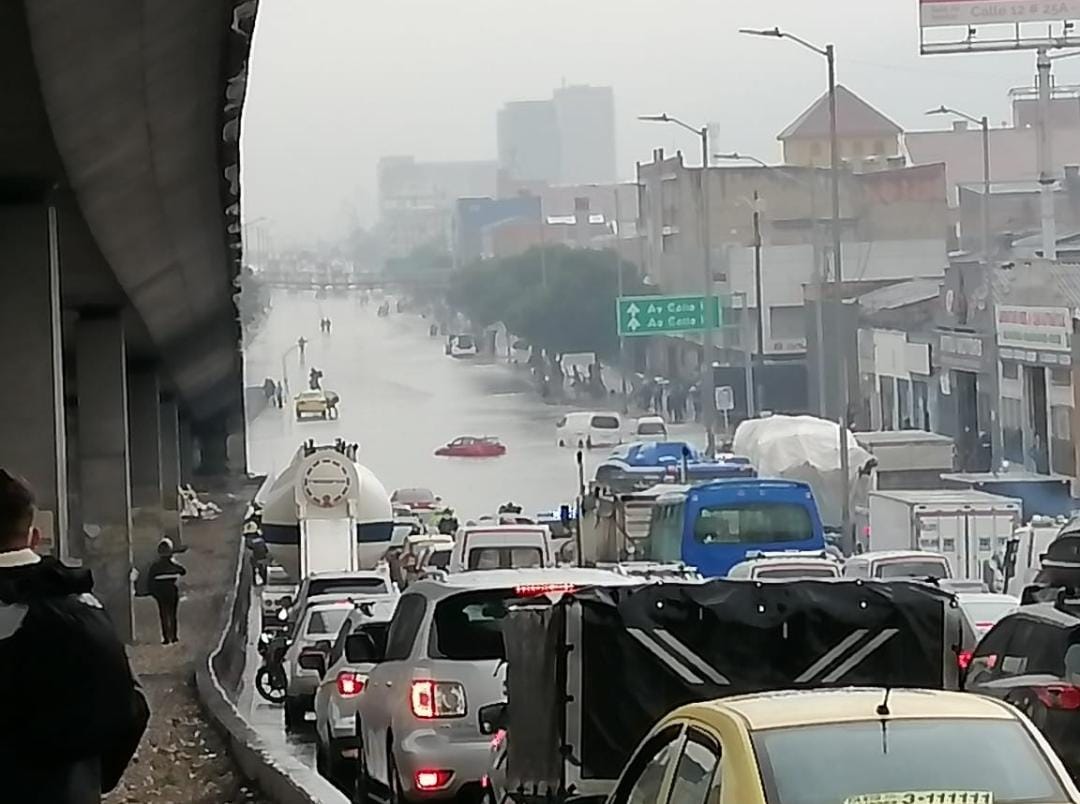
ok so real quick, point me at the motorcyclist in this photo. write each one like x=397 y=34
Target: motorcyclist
x=314 y=378
x=73 y=713
x=260 y=553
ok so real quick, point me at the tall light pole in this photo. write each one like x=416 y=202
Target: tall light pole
x=617 y=231
x=985 y=124
x=995 y=424
x=710 y=325
x=834 y=158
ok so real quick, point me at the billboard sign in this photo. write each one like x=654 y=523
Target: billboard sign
x=1041 y=328
x=943 y=13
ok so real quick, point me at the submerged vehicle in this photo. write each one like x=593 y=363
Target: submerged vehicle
x=472 y=447
x=717 y=525
x=325 y=512
x=641 y=464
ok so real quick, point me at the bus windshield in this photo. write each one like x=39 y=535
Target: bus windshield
x=752 y=523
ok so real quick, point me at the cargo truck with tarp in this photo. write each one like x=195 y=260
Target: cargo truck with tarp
x=590 y=673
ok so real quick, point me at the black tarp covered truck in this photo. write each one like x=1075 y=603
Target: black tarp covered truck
x=589 y=674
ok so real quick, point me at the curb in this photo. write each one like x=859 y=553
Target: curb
x=270 y=773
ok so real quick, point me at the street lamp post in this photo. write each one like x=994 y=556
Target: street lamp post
x=710 y=324
x=995 y=425
x=837 y=293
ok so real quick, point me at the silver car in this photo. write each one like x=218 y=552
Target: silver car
x=418 y=721
x=342 y=683
x=316 y=628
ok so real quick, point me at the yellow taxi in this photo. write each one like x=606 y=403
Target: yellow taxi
x=312 y=403
x=846 y=746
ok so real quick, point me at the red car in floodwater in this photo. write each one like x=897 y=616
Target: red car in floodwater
x=472 y=447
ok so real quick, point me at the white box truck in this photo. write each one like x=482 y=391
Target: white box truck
x=968 y=527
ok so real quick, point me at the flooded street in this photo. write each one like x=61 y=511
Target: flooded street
x=402 y=398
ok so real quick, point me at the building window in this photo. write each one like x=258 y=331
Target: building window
x=1010 y=370
x=1061 y=376
x=1061 y=422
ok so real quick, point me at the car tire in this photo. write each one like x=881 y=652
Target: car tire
x=562 y=443
x=361 y=781
x=321 y=765
x=393 y=777
x=588 y=443
x=294 y=715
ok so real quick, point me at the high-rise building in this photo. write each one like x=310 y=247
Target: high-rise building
x=528 y=137
x=569 y=139
x=586 y=118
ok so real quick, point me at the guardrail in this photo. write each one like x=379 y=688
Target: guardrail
x=218 y=678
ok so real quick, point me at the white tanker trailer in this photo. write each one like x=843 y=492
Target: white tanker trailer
x=325 y=512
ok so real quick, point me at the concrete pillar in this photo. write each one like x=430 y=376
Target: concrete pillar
x=187 y=452
x=32 y=430
x=170 y=468
x=144 y=446
x=101 y=378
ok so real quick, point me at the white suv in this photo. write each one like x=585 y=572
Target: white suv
x=418 y=721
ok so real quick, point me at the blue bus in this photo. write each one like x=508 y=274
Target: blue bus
x=714 y=525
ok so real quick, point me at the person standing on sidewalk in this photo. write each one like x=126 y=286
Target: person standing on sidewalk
x=164 y=574
x=73 y=713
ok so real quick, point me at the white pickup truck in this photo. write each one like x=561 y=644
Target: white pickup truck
x=489 y=547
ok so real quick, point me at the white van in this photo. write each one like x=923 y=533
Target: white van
x=589 y=429
x=650 y=428
x=888 y=564
x=490 y=547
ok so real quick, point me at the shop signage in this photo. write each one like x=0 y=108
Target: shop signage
x=1042 y=328
x=962 y=345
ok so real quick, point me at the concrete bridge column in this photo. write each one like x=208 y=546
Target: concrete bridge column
x=32 y=430
x=170 y=468
x=187 y=452
x=144 y=443
x=104 y=470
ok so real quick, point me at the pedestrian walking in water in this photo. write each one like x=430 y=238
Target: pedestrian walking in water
x=301 y=342
x=73 y=713
x=164 y=575
x=280 y=396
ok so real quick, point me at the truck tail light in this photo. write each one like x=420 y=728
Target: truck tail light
x=433 y=699
x=350 y=684
x=1059 y=696
x=963 y=659
x=433 y=779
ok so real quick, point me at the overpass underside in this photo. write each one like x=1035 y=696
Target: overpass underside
x=119 y=251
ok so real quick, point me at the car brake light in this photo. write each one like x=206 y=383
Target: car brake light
x=432 y=699
x=537 y=589
x=350 y=684
x=433 y=779
x=1059 y=696
x=963 y=659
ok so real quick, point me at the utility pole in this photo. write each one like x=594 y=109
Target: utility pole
x=838 y=302
x=619 y=279
x=1046 y=161
x=760 y=353
x=710 y=297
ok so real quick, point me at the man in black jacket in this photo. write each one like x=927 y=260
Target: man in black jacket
x=71 y=712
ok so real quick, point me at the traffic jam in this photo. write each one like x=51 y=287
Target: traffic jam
x=688 y=629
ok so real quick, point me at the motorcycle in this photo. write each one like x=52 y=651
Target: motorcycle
x=271 y=680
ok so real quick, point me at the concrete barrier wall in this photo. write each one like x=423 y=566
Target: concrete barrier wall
x=218 y=676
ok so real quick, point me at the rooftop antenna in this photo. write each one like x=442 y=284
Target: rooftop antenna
x=883 y=707
x=883 y=712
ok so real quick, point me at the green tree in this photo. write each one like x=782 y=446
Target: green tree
x=559 y=299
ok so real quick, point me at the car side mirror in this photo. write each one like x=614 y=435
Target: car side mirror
x=361 y=649
x=1072 y=664
x=311 y=659
x=493 y=718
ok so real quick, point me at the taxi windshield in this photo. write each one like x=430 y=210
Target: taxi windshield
x=910 y=756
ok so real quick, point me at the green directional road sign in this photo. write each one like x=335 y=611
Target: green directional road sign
x=659 y=315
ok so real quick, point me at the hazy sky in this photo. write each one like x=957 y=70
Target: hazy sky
x=335 y=84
